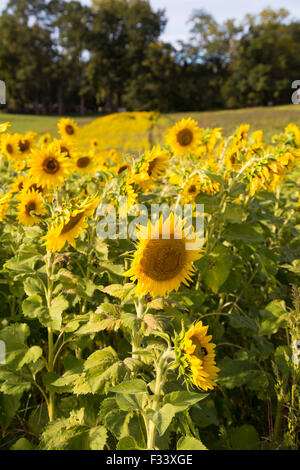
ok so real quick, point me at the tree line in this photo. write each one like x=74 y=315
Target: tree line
x=62 y=57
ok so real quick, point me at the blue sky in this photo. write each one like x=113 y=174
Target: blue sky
x=179 y=11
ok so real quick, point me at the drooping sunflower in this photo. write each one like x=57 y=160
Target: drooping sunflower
x=195 y=357
x=9 y=146
x=30 y=208
x=184 y=138
x=122 y=167
x=49 y=166
x=68 y=226
x=163 y=260
x=67 y=128
x=4 y=204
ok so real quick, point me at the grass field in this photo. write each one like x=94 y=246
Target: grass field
x=270 y=119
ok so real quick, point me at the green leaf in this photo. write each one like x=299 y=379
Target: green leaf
x=32 y=306
x=190 y=443
x=128 y=443
x=183 y=400
x=22 y=444
x=162 y=418
x=58 y=305
x=244 y=232
x=218 y=268
x=131 y=386
x=103 y=369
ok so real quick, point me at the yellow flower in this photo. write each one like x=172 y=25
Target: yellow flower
x=85 y=163
x=30 y=207
x=152 y=166
x=48 y=166
x=161 y=264
x=65 y=147
x=18 y=184
x=67 y=128
x=95 y=144
x=45 y=140
x=195 y=356
x=26 y=142
x=69 y=226
x=191 y=189
x=9 y=146
x=184 y=137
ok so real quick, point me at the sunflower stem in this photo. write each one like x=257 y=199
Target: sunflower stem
x=49 y=267
x=140 y=308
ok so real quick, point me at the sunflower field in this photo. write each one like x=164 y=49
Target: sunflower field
x=123 y=343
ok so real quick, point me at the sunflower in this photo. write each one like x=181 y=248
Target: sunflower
x=122 y=167
x=160 y=264
x=45 y=140
x=4 y=204
x=69 y=226
x=26 y=142
x=18 y=184
x=191 y=189
x=95 y=144
x=30 y=208
x=195 y=356
x=184 y=137
x=65 y=147
x=67 y=128
x=152 y=166
x=49 y=166
x=85 y=163
x=19 y=165
x=9 y=146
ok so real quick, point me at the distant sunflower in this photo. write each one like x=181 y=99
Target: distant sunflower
x=9 y=146
x=196 y=357
x=85 y=162
x=95 y=144
x=67 y=128
x=30 y=207
x=18 y=184
x=45 y=140
x=122 y=167
x=65 y=147
x=184 y=137
x=69 y=226
x=26 y=142
x=161 y=264
x=49 y=166
x=191 y=189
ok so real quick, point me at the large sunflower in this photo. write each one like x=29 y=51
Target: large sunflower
x=184 y=138
x=161 y=264
x=30 y=208
x=69 y=226
x=67 y=128
x=49 y=166
x=195 y=356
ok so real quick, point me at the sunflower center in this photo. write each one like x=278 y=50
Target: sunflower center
x=192 y=189
x=122 y=168
x=65 y=150
x=24 y=145
x=200 y=351
x=185 y=137
x=163 y=259
x=31 y=206
x=151 y=167
x=51 y=165
x=9 y=148
x=69 y=129
x=20 y=186
x=83 y=162
x=72 y=223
